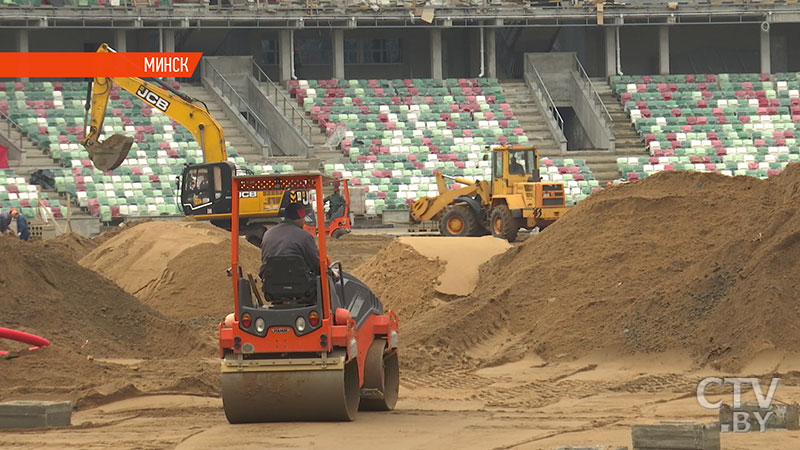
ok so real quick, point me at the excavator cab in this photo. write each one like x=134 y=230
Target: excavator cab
x=316 y=346
x=205 y=188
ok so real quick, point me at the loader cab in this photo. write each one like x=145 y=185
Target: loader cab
x=511 y=165
x=206 y=188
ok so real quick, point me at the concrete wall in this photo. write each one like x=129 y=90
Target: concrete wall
x=785 y=54
x=415 y=60
x=236 y=69
x=638 y=50
x=514 y=42
x=14 y=154
x=68 y=40
x=554 y=69
x=285 y=138
x=577 y=139
x=587 y=43
x=714 y=49
x=8 y=40
x=595 y=129
x=460 y=60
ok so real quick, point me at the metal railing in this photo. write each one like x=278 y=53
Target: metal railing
x=12 y=124
x=587 y=81
x=284 y=102
x=543 y=92
x=228 y=92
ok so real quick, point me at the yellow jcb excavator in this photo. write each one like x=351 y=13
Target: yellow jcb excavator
x=205 y=189
x=515 y=198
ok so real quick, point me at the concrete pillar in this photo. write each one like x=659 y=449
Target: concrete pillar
x=285 y=53
x=491 y=53
x=766 y=55
x=338 y=54
x=120 y=41
x=436 y=53
x=663 y=50
x=611 y=51
x=22 y=45
x=779 y=53
x=22 y=40
x=169 y=40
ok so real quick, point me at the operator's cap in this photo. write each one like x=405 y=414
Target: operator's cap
x=295 y=211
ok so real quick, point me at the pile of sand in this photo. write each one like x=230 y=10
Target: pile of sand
x=83 y=314
x=353 y=249
x=403 y=280
x=178 y=268
x=702 y=263
x=71 y=245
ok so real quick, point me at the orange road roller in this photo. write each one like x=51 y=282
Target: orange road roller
x=304 y=347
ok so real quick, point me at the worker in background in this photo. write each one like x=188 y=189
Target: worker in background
x=5 y=221
x=22 y=223
x=289 y=239
x=337 y=204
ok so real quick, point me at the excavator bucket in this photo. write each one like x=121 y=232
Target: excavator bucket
x=109 y=154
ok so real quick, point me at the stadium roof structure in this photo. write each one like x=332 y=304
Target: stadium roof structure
x=298 y=16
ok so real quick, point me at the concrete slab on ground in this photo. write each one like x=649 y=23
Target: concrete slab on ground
x=35 y=414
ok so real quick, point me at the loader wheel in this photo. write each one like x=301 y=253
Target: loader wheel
x=458 y=221
x=381 y=378
x=503 y=224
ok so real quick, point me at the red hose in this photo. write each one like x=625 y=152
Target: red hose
x=21 y=336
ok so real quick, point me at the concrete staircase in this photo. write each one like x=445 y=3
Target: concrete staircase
x=325 y=154
x=602 y=163
x=530 y=118
x=235 y=132
x=34 y=158
x=237 y=135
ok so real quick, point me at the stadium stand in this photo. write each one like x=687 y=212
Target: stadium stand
x=735 y=124
x=398 y=133
x=15 y=192
x=51 y=114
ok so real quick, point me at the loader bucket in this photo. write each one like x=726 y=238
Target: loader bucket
x=109 y=154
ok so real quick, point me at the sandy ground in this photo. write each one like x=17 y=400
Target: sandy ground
x=527 y=404
x=524 y=404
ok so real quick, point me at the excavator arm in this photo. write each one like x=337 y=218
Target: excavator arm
x=109 y=154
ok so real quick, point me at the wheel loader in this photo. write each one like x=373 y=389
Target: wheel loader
x=315 y=347
x=514 y=198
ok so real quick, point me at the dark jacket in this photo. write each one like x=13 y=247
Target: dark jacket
x=337 y=203
x=5 y=221
x=22 y=227
x=289 y=239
